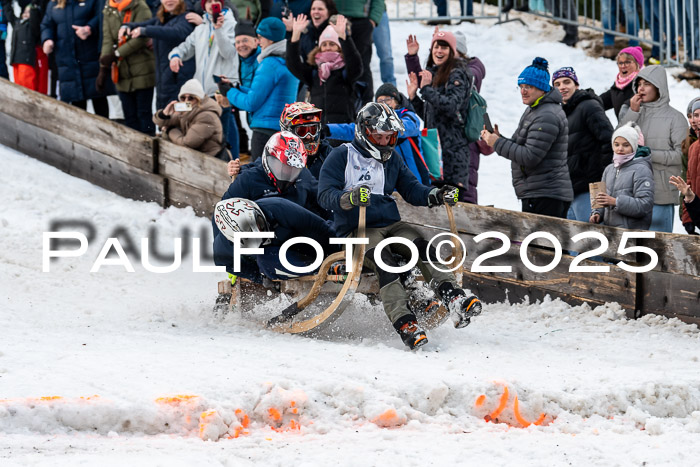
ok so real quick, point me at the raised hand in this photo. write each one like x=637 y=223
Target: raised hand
x=412 y=85
x=426 y=78
x=412 y=45
x=340 y=26
x=298 y=26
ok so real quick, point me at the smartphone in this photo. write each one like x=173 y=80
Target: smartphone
x=217 y=78
x=183 y=107
x=215 y=11
x=487 y=123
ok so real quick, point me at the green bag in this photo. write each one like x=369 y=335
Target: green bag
x=432 y=153
x=474 y=120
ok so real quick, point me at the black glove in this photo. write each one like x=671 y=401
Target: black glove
x=224 y=87
x=359 y=196
x=100 y=81
x=107 y=60
x=447 y=194
x=325 y=131
x=690 y=228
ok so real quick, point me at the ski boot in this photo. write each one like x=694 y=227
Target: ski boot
x=422 y=306
x=421 y=300
x=412 y=335
x=462 y=308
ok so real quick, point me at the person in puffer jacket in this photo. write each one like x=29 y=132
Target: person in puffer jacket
x=629 y=183
x=664 y=129
x=273 y=86
x=590 y=149
x=199 y=128
x=538 y=148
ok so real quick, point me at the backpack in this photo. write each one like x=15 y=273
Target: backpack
x=474 y=120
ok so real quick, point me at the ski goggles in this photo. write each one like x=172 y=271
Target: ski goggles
x=303 y=131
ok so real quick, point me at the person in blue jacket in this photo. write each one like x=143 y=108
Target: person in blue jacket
x=273 y=86
x=365 y=173
x=389 y=95
x=287 y=220
x=71 y=30
x=168 y=28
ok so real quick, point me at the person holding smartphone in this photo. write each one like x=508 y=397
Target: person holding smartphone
x=212 y=46
x=193 y=121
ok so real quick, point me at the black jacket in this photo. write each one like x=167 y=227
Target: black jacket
x=613 y=98
x=26 y=37
x=590 y=133
x=537 y=151
x=335 y=96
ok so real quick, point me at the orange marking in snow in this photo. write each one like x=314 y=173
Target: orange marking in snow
x=480 y=400
x=274 y=414
x=205 y=418
x=175 y=400
x=50 y=398
x=501 y=404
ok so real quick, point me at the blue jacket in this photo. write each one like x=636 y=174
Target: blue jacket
x=254 y=184
x=77 y=60
x=383 y=210
x=166 y=36
x=346 y=132
x=287 y=220
x=247 y=68
x=273 y=86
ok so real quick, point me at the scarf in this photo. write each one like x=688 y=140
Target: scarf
x=120 y=6
x=621 y=82
x=327 y=62
x=619 y=159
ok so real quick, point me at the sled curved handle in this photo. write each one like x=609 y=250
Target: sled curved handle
x=457 y=253
x=282 y=322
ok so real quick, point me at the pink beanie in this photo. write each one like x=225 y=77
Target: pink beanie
x=329 y=35
x=636 y=52
x=446 y=36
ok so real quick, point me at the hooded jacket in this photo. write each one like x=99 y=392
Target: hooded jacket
x=137 y=66
x=664 y=129
x=632 y=185
x=614 y=98
x=273 y=86
x=538 y=151
x=199 y=129
x=590 y=133
x=217 y=59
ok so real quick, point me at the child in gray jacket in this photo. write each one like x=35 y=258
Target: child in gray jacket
x=629 y=183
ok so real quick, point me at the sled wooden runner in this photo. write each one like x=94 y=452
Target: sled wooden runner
x=457 y=253
x=342 y=300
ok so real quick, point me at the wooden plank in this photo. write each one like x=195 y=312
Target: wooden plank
x=182 y=194
x=78 y=126
x=671 y=295
x=82 y=162
x=679 y=253
x=193 y=168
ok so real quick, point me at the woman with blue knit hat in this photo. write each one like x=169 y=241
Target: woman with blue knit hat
x=590 y=149
x=273 y=86
x=537 y=149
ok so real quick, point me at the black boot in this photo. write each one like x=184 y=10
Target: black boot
x=411 y=333
x=461 y=307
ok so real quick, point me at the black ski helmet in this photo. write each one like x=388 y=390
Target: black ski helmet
x=376 y=117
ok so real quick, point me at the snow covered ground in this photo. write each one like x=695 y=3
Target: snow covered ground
x=115 y=368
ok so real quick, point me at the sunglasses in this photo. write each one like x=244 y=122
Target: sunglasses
x=385 y=100
x=306 y=130
x=187 y=98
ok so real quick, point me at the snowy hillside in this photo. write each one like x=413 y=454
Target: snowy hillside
x=131 y=368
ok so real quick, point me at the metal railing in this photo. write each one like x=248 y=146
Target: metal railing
x=669 y=27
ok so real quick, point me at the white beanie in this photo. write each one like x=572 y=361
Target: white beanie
x=632 y=133
x=193 y=88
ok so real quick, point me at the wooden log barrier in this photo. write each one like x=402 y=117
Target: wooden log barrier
x=139 y=167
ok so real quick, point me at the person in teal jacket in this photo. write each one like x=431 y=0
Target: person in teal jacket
x=273 y=86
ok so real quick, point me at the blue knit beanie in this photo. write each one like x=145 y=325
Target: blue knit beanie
x=272 y=28
x=536 y=75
